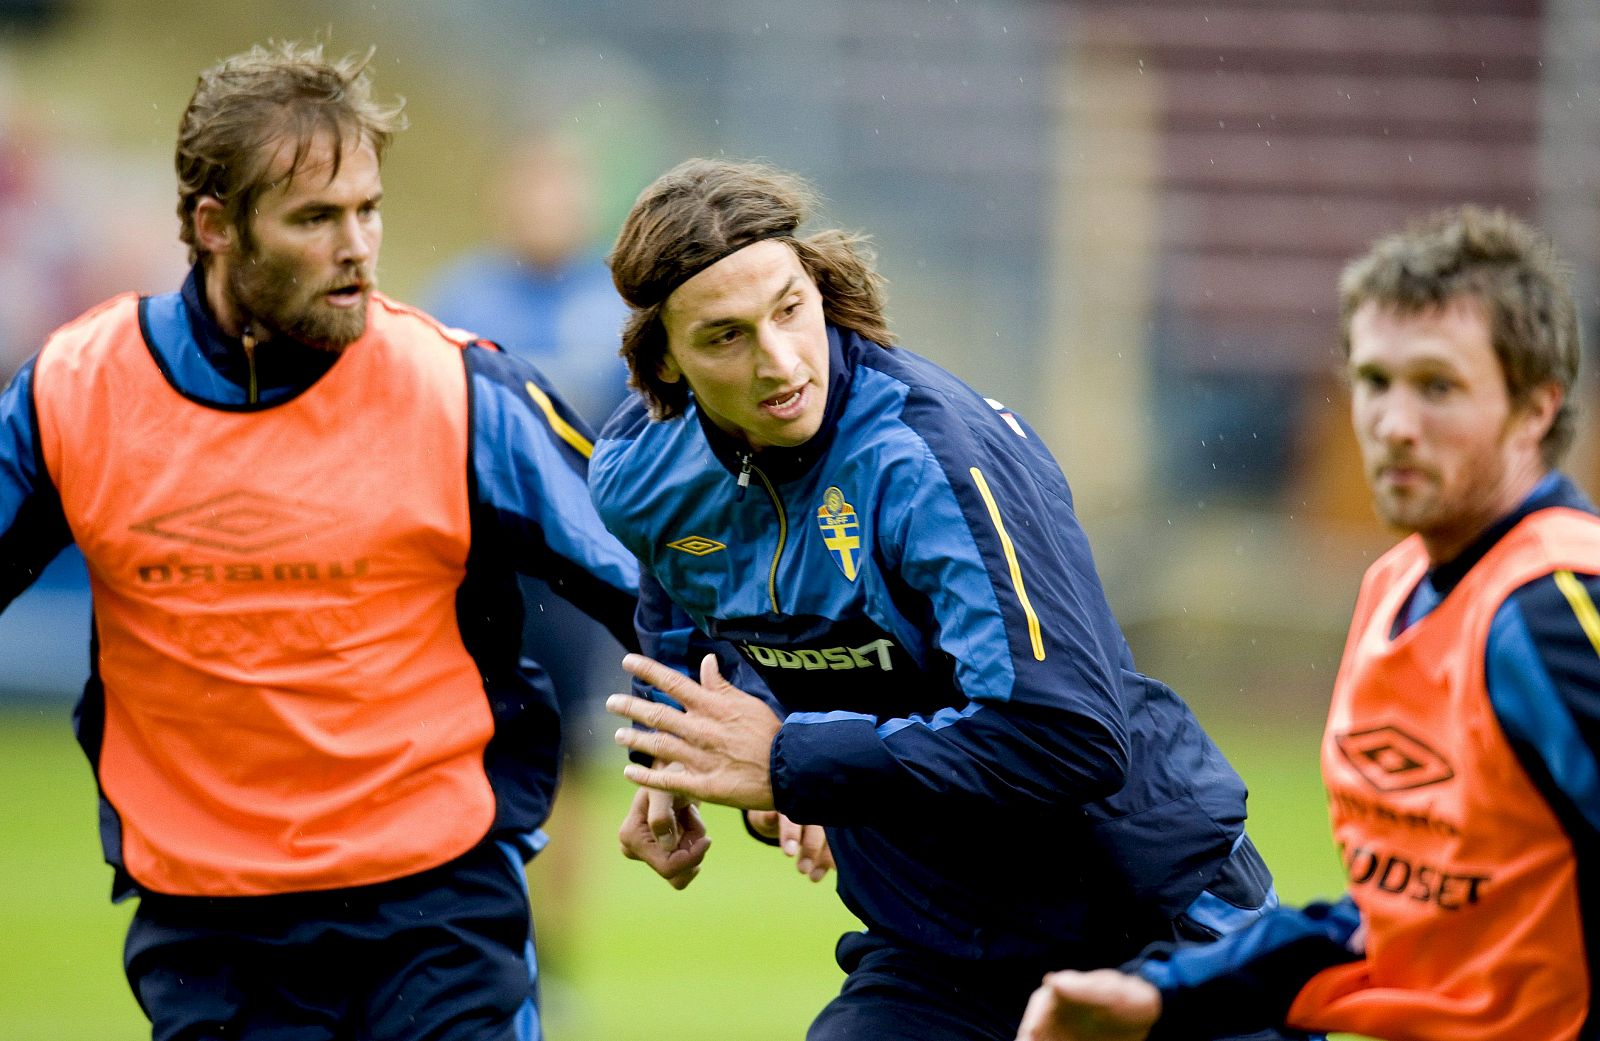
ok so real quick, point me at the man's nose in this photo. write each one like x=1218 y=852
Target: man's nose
x=355 y=244
x=1399 y=418
x=776 y=356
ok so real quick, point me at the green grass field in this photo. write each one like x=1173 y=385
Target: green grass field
x=744 y=953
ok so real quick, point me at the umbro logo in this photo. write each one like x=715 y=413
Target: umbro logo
x=240 y=522
x=696 y=545
x=1391 y=760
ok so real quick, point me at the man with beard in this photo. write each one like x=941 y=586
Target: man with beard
x=303 y=507
x=1460 y=751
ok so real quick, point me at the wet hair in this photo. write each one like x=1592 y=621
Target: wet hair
x=245 y=107
x=1513 y=271
x=704 y=210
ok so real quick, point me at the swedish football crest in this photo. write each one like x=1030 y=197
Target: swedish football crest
x=841 y=531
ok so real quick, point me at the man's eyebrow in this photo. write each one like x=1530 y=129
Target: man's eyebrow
x=329 y=206
x=717 y=323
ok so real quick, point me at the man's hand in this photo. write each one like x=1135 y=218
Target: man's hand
x=1103 y=1005
x=722 y=738
x=673 y=852
x=807 y=843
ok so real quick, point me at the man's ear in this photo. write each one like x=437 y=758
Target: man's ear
x=1539 y=409
x=213 y=230
x=668 y=371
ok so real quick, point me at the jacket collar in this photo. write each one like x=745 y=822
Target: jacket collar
x=787 y=464
x=284 y=365
x=1554 y=489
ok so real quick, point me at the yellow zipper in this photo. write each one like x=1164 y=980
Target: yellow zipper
x=783 y=535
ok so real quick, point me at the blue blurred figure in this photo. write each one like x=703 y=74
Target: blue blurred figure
x=544 y=292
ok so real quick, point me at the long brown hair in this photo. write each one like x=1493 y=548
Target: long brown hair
x=245 y=105
x=704 y=210
x=1512 y=270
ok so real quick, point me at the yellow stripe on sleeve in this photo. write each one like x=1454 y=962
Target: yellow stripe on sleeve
x=564 y=430
x=1582 y=606
x=1034 y=632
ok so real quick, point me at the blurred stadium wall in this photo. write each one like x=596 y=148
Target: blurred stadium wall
x=1121 y=217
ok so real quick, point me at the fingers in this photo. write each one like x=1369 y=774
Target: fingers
x=808 y=845
x=667 y=680
x=711 y=675
x=1038 y=1018
x=814 y=847
x=680 y=865
x=656 y=715
x=634 y=833
x=661 y=813
x=1102 y=1005
x=672 y=778
x=658 y=744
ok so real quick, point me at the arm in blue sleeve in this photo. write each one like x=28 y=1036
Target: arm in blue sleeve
x=1015 y=608
x=1542 y=666
x=529 y=469
x=1247 y=980
x=33 y=528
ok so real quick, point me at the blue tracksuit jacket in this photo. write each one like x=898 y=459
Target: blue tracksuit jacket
x=960 y=708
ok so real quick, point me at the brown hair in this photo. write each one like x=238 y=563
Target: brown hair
x=700 y=212
x=1513 y=271
x=244 y=105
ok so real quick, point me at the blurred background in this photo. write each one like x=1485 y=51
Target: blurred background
x=1124 y=218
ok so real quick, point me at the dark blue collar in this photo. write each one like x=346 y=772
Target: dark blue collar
x=283 y=366
x=786 y=464
x=1554 y=489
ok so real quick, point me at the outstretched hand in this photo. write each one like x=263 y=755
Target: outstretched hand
x=719 y=744
x=1103 y=1005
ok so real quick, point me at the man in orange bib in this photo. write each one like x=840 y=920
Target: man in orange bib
x=304 y=507
x=1460 y=751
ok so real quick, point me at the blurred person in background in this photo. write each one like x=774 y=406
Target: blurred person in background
x=1460 y=750
x=303 y=506
x=544 y=293
x=955 y=719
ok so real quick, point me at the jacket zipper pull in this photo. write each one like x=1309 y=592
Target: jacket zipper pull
x=247 y=340
x=744 y=475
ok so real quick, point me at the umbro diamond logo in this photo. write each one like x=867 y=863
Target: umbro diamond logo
x=1391 y=760
x=240 y=522
x=696 y=545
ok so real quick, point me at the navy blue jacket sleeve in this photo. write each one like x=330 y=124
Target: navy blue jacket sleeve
x=1247 y=980
x=33 y=528
x=529 y=468
x=984 y=535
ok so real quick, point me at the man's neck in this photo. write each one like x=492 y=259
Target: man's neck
x=230 y=317
x=1445 y=545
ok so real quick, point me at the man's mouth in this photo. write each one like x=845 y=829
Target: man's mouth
x=347 y=294
x=782 y=405
x=1402 y=473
